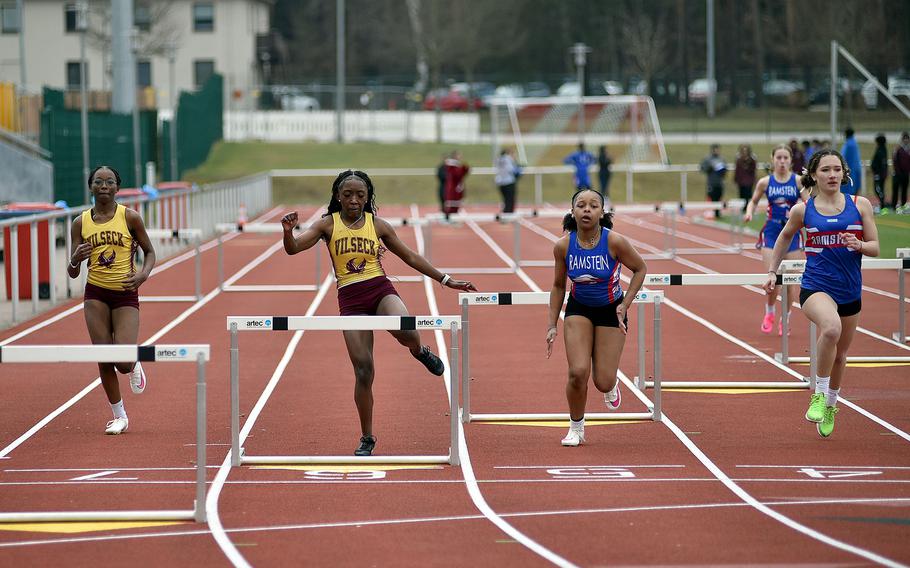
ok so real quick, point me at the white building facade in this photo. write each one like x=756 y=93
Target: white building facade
x=213 y=36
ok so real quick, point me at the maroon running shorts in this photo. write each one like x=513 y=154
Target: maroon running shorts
x=113 y=298
x=362 y=298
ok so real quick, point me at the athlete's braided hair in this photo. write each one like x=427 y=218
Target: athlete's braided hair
x=569 y=223
x=809 y=182
x=335 y=202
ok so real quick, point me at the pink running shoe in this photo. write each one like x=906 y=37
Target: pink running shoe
x=780 y=328
x=613 y=398
x=767 y=324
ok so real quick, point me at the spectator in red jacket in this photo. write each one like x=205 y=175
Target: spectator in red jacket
x=456 y=171
x=744 y=173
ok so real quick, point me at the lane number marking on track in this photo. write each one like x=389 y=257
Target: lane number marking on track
x=98 y=475
x=835 y=474
x=335 y=475
x=581 y=472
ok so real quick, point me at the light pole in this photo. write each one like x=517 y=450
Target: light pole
x=137 y=158
x=581 y=52
x=82 y=28
x=712 y=82
x=339 y=71
x=171 y=59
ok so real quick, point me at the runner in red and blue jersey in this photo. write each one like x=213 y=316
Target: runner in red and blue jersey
x=841 y=229
x=591 y=256
x=782 y=190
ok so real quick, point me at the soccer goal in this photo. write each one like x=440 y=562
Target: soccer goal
x=535 y=126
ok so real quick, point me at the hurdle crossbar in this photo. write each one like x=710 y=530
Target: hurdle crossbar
x=160 y=353
x=194 y=235
x=237 y=324
x=543 y=298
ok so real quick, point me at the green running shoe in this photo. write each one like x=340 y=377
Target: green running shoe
x=826 y=426
x=816 y=410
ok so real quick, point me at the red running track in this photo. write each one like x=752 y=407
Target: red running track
x=726 y=478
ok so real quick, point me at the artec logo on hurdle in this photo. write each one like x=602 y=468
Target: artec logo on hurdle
x=169 y=353
x=258 y=323
x=486 y=299
x=422 y=323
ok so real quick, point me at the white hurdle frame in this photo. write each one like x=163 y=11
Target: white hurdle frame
x=901 y=264
x=731 y=280
x=237 y=324
x=194 y=235
x=263 y=228
x=159 y=353
x=655 y=297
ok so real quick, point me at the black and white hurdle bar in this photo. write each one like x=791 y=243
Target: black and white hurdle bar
x=194 y=235
x=901 y=264
x=731 y=280
x=654 y=297
x=164 y=353
x=237 y=324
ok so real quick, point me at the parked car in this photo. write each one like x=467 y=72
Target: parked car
x=511 y=91
x=537 y=89
x=700 y=89
x=299 y=102
x=451 y=99
x=611 y=87
x=780 y=87
x=569 y=89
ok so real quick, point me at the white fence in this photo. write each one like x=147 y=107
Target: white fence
x=365 y=125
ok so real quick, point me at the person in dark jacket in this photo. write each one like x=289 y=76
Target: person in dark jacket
x=744 y=173
x=879 y=168
x=715 y=168
x=901 y=174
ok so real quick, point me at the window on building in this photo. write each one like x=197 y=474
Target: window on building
x=70 y=13
x=9 y=18
x=142 y=17
x=203 y=17
x=202 y=70
x=74 y=73
x=144 y=73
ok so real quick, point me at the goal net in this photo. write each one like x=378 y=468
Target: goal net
x=534 y=126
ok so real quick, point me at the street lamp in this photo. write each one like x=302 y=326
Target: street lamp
x=581 y=52
x=137 y=158
x=171 y=58
x=82 y=28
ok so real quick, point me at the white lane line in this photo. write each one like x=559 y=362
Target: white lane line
x=761 y=507
x=211 y=500
x=464 y=454
x=452 y=518
x=502 y=254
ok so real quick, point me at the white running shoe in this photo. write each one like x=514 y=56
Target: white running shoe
x=137 y=379
x=117 y=426
x=575 y=437
x=613 y=398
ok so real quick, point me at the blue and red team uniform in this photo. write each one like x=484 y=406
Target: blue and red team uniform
x=781 y=198
x=581 y=160
x=596 y=290
x=831 y=267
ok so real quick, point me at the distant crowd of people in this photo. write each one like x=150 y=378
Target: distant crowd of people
x=746 y=167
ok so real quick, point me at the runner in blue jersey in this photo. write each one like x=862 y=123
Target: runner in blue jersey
x=840 y=229
x=782 y=190
x=591 y=255
x=582 y=160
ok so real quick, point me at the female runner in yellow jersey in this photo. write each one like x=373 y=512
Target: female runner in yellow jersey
x=108 y=235
x=355 y=239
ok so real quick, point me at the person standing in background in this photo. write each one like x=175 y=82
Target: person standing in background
x=441 y=177
x=879 y=169
x=850 y=152
x=901 y=177
x=456 y=171
x=507 y=174
x=604 y=161
x=715 y=168
x=582 y=160
x=799 y=159
x=744 y=173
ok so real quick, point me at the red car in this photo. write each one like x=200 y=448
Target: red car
x=450 y=100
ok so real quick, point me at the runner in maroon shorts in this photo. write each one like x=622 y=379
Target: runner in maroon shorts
x=107 y=235
x=356 y=240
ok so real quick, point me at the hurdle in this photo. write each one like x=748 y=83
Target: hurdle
x=261 y=228
x=194 y=235
x=901 y=264
x=732 y=280
x=654 y=297
x=236 y=324
x=165 y=353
